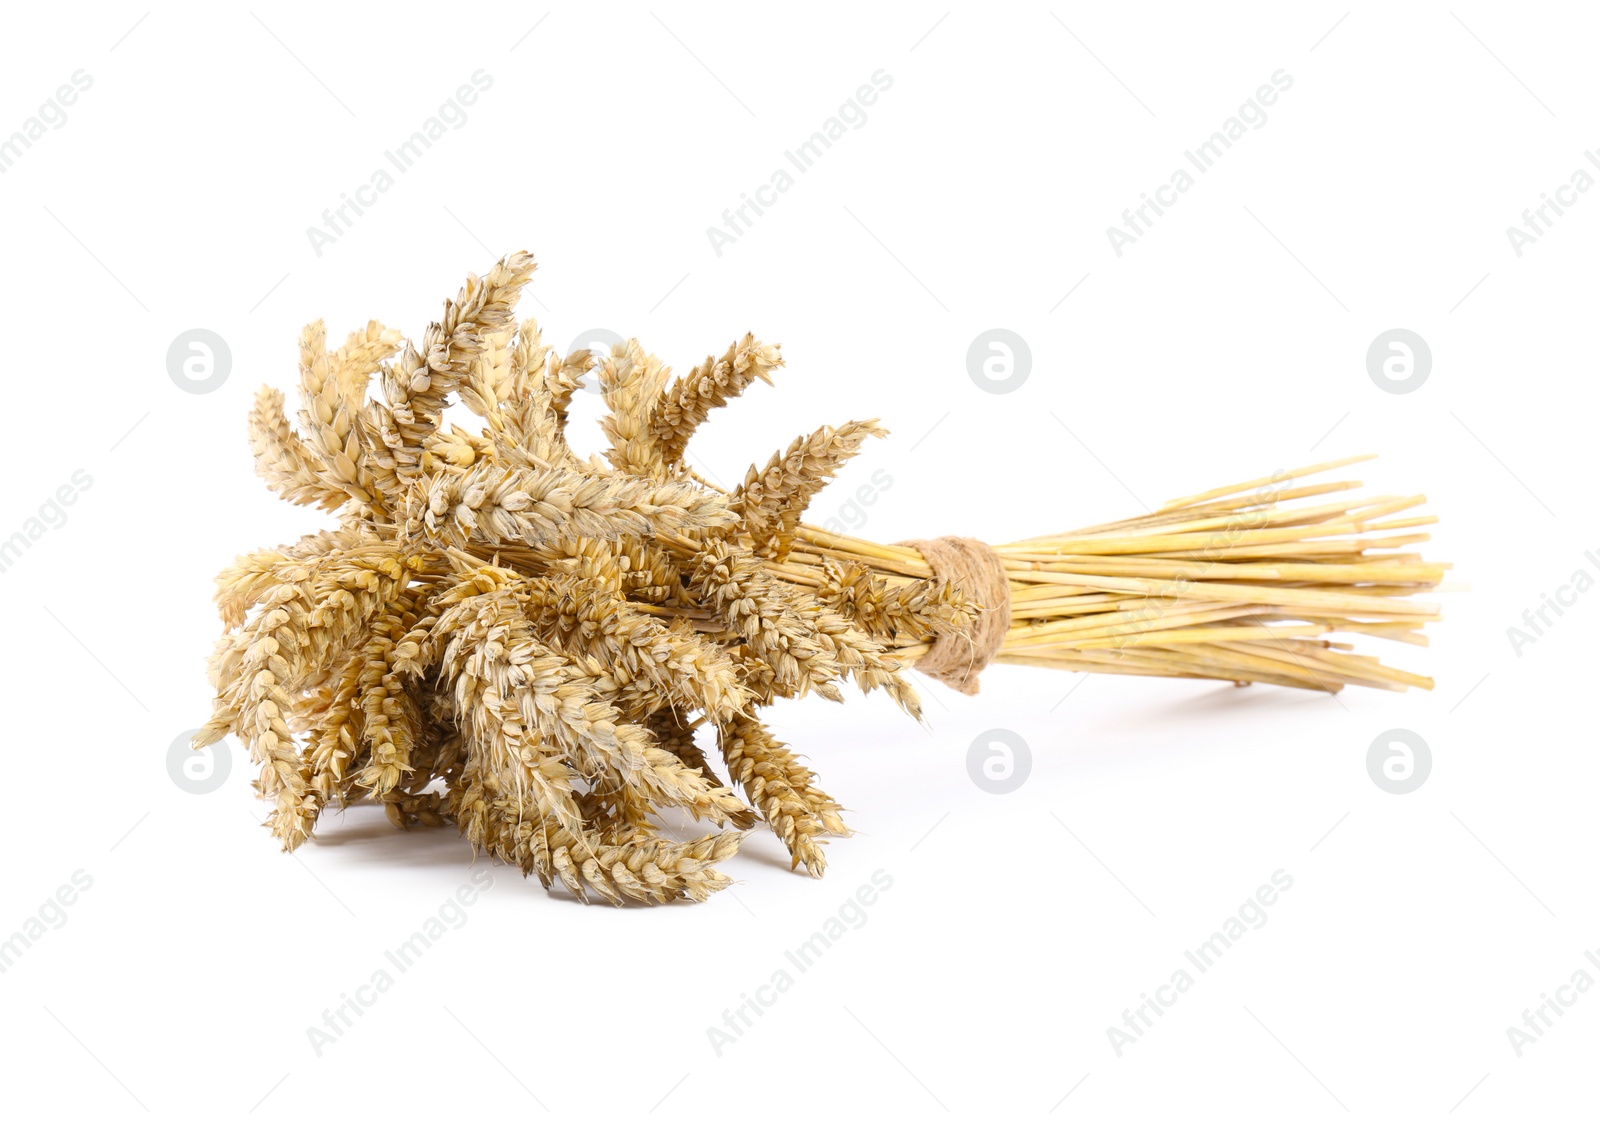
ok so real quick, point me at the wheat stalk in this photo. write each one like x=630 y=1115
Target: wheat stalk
x=1232 y=584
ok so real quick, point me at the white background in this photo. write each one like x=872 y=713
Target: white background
x=1226 y=343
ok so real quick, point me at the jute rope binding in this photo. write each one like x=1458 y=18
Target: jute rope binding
x=973 y=567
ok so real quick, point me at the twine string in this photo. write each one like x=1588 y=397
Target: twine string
x=972 y=567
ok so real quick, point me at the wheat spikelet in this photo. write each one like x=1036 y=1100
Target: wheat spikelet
x=771 y=501
x=755 y=762
x=289 y=466
x=690 y=400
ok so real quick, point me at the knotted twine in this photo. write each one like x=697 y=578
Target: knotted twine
x=972 y=567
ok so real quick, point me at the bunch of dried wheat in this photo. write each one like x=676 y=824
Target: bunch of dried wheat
x=502 y=634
